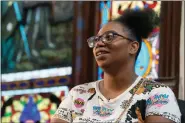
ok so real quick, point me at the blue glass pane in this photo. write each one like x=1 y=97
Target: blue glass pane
x=142 y=61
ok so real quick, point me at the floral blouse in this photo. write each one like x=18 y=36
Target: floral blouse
x=85 y=103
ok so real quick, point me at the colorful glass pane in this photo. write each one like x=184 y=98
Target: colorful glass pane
x=36 y=35
x=30 y=107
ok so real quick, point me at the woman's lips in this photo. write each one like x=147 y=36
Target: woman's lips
x=101 y=53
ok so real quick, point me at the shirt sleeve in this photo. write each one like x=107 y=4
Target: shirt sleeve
x=64 y=111
x=162 y=102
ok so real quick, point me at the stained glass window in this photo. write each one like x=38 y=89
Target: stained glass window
x=36 y=107
x=36 y=47
x=148 y=59
x=36 y=35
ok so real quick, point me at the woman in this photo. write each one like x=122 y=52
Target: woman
x=121 y=96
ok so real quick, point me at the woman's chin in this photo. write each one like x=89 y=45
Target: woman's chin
x=103 y=64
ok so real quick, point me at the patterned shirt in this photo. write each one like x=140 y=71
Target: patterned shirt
x=85 y=103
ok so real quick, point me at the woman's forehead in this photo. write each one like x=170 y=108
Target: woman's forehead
x=114 y=26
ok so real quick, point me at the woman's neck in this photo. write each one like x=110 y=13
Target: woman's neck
x=119 y=79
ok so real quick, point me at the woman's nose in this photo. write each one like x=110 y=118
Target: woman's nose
x=100 y=44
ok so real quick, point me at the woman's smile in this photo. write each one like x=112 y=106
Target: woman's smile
x=101 y=55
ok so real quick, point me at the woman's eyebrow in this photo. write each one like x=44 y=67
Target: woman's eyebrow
x=106 y=32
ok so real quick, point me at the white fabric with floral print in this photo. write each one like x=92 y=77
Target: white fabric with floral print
x=85 y=103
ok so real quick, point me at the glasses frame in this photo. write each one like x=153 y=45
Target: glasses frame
x=108 y=32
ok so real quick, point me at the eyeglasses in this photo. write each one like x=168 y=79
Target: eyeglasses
x=107 y=38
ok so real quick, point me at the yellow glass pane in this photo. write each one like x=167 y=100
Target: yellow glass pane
x=16 y=117
x=44 y=116
x=6 y=119
x=18 y=106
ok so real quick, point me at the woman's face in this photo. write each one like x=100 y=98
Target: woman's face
x=118 y=52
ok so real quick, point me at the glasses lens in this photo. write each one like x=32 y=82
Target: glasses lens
x=91 y=41
x=108 y=37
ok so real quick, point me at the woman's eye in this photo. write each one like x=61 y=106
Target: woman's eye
x=96 y=39
x=109 y=37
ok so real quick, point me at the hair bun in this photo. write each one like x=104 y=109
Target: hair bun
x=141 y=22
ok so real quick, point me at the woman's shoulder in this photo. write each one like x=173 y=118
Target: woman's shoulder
x=86 y=85
x=159 y=101
x=84 y=89
x=151 y=86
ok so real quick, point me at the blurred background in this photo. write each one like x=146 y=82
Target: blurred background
x=44 y=52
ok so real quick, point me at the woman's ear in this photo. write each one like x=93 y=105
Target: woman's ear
x=133 y=47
